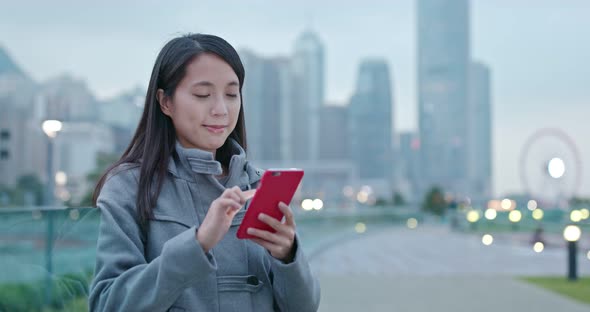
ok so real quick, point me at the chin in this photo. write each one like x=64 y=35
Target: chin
x=215 y=144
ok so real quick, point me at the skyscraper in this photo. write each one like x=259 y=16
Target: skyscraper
x=122 y=114
x=408 y=165
x=17 y=141
x=480 y=130
x=67 y=99
x=263 y=94
x=334 y=133
x=308 y=77
x=370 y=122
x=443 y=68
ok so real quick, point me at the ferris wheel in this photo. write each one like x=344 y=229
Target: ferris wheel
x=550 y=167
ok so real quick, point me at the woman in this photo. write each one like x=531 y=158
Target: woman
x=171 y=206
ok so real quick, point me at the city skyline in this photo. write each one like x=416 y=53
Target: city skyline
x=531 y=89
x=443 y=57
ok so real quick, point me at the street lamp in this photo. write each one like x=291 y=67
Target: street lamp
x=572 y=234
x=51 y=128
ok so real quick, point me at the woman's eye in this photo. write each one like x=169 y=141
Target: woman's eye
x=202 y=96
x=232 y=95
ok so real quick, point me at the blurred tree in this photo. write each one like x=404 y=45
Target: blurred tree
x=381 y=202
x=434 y=202
x=398 y=199
x=28 y=191
x=579 y=201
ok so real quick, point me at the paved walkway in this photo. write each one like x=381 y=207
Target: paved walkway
x=433 y=269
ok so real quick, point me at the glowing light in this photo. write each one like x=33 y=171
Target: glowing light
x=585 y=213
x=360 y=228
x=472 y=216
x=362 y=197
x=538 y=247
x=515 y=216
x=572 y=233
x=556 y=168
x=538 y=214
x=412 y=223
x=490 y=214
x=576 y=216
x=61 y=178
x=318 y=204
x=508 y=204
x=487 y=239
x=367 y=189
x=494 y=204
x=51 y=127
x=532 y=205
x=307 y=204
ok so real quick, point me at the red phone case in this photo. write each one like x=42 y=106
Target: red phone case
x=276 y=185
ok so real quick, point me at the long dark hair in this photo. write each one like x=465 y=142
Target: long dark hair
x=154 y=140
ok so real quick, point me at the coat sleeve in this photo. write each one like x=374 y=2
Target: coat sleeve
x=123 y=279
x=295 y=288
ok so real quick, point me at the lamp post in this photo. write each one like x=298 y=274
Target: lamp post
x=51 y=128
x=572 y=234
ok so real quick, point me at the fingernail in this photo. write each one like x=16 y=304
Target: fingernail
x=261 y=216
x=250 y=231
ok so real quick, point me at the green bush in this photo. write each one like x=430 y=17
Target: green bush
x=68 y=293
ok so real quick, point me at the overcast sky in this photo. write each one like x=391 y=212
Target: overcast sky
x=537 y=50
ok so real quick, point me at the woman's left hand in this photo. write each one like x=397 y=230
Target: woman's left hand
x=279 y=244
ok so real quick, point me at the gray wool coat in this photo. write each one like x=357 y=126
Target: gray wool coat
x=167 y=270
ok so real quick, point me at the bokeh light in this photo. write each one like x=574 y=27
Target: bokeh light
x=360 y=228
x=491 y=214
x=538 y=247
x=487 y=239
x=538 y=214
x=412 y=223
x=515 y=216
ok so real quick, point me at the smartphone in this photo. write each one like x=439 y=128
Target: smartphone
x=276 y=185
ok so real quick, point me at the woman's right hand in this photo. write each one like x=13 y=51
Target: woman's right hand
x=219 y=217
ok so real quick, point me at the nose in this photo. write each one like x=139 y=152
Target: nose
x=219 y=107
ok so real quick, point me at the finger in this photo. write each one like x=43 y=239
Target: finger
x=275 y=250
x=269 y=237
x=249 y=193
x=231 y=193
x=267 y=245
x=277 y=225
x=237 y=192
x=286 y=210
x=229 y=203
x=241 y=195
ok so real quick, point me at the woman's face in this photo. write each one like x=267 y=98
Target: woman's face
x=206 y=103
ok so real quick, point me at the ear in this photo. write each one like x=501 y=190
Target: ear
x=164 y=101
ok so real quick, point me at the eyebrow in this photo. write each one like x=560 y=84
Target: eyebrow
x=209 y=83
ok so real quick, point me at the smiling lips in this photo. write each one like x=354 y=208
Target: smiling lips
x=215 y=128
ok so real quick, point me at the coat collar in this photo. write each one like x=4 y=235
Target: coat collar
x=202 y=162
